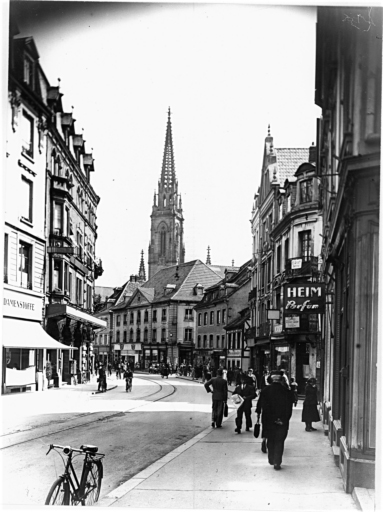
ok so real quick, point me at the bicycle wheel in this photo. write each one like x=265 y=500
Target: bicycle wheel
x=59 y=493
x=93 y=483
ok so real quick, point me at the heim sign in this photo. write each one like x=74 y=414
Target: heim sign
x=304 y=298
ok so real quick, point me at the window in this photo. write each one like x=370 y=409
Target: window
x=26 y=199
x=146 y=316
x=132 y=317
x=79 y=295
x=163 y=242
x=27 y=135
x=125 y=336
x=70 y=286
x=80 y=249
x=286 y=250
x=223 y=341
x=163 y=317
x=188 y=314
x=29 y=71
x=154 y=336
x=138 y=335
x=305 y=244
x=57 y=275
x=199 y=341
x=188 y=334
x=58 y=219
x=118 y=337
x=205 y=319
x=138 y=317
x=211 y=317
x=154 y=315
x=163 y=335
x=68 y=223
x=306 y=192
x=89 y=295
x=204 y=341
x=118 y=320
x=125 y=319
x=224 y=316
x=218 y=317
x=6 y=258
x=288 y=203
x=25 y=253
x=145 y=335
x=131 y=336
x=217 y=345
x=239 y=337
x=278 y=259
x=211 y=338
x=199 y=319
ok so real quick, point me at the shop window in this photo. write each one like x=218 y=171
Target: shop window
x=26 y=199
x=188 y=334
x=25 y=268
x=305 y=190
x=20 y=359
x=27 y=135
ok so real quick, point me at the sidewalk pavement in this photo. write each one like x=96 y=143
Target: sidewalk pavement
x=221 y=470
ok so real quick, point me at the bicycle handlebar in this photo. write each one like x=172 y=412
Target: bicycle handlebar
x=67 y=450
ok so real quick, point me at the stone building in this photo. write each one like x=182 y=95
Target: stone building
x=286 y=228
x=166 y=247
x=348 y=90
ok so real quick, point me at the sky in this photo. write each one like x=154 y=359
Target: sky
x=227 y=71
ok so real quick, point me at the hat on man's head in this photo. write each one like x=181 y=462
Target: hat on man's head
x=276 y=378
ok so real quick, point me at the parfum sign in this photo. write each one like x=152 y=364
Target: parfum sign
x=306 y=297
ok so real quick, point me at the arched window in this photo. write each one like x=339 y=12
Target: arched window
x=131 y=335
x=163 y=242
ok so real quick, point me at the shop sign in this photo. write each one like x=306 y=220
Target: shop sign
x=304 y=298
x=296 y=264
x=22 y=305
x=292 y=322
x=277 y=328
x=234 y=353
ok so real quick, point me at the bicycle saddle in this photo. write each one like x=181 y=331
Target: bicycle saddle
x=89 y=448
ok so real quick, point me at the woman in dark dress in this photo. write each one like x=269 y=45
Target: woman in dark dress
x=310 y=412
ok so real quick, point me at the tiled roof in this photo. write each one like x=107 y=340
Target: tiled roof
x=220 y=269
x=185 y=276
x=288 y=161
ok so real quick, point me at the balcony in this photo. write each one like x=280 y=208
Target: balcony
x=301 y=266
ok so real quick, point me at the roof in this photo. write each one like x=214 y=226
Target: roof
x=288 y=161
x=185 y=276
x=238 y=322
x=220 y=269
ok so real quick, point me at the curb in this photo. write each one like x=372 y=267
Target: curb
x=99 y=392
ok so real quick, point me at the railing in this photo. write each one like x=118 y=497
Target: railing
x=309 y=266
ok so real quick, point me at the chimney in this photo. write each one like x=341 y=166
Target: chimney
x=132 y=278
x=312 y=154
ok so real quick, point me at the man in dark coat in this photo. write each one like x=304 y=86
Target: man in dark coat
x=219 y=385
x=247 y=391
x=276 y=405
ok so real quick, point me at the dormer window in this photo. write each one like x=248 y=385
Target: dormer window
x=306 y=191
x=29 y=71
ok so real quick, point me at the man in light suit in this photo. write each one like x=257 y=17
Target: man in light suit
x=219 y=385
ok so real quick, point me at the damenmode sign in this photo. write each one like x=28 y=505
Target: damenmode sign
x=304 y=297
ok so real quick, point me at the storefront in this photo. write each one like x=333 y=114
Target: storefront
x=128 y=352
x=28 y=351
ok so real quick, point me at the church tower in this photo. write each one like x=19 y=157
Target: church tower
x=166 y=247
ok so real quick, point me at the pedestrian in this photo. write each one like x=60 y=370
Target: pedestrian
x=310 y=411
x=118 y=371
x=247 y=391
x=229 y=376
x=219 y=397
x=128 y=376
x=276 y=405
x=294 y=390
x=285 y=381
x=101 y=379
x=252 y=376
x=224 y=373
x=110 y=369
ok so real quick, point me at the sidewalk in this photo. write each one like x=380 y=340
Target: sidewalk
x=221 y=470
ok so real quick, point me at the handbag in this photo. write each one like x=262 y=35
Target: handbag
x=225 y=410
x=257 y=428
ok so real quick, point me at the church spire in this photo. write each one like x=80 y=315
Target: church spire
x=168 y=173
x=208 y=259
x=141 y=272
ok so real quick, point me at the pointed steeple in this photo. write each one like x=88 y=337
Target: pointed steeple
x=141 y=272
x=208 y=259
x=168 y=173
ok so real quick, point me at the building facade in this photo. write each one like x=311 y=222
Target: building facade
x=348 y=90
x=286 y=228
x=166 y=247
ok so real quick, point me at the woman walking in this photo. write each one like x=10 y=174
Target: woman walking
x=310 y=412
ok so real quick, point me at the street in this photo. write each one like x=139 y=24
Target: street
x=132 y=429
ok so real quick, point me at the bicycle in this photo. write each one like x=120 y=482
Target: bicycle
x=67 y=490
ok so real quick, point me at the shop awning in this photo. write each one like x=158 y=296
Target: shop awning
x=25 y=334
x=63 y=310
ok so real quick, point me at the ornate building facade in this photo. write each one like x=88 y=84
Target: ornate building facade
x=166 y=247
